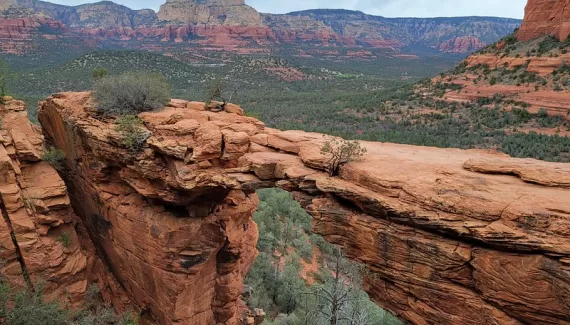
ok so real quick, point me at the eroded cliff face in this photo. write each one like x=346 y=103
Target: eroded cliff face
x=210 y=12
x=42 y=242
x=544 y=17
x=464 y=44
x=16 y=34
x=179 y=244
x=450 y=236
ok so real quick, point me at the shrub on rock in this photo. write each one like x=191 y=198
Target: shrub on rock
x=131 y=93
x=132 y=131
x=54 y=157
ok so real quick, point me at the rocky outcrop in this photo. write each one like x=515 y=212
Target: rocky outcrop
x=180 y=245
x=42 y=242
x=464 y=44
x=450 y=236
x=545 y=17
x=104 y=15
x=210 y=12
x=16 y=34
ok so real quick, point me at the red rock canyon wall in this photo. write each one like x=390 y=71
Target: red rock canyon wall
x=42 y=242
x=450 y=236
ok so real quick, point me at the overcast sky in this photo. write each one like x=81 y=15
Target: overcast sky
x=388 y=8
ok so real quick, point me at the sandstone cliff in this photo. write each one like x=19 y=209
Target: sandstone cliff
x=425 y=34
x=450 y=236
x=211 y=12
x=42 y=242
x=464 y=44
x=179 y=244
x=543 y=17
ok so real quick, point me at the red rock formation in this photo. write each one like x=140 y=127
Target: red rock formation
x=450 y=236
x=16 y=33
x=544 y=17
x=536 y=95
x=184 y=262
x=232 y=25
x=464 y=44
x=41 y=239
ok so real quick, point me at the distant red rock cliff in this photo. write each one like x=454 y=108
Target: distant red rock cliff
x=233 y=24
x=16 y=33
x=464 y=44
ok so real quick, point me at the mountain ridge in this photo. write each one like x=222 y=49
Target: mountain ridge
x=233 y=23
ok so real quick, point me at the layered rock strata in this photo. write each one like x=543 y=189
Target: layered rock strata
x=450 y=236
x=544 y=17
x=233 y=24
x=43 y=244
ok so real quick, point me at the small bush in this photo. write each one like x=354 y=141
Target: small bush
x=131 y=93
x=54 y=157
x=64 y=239
x=511 y=39
x=99 y=73
x=132 y=132
x=547 y=44
x=216 y=92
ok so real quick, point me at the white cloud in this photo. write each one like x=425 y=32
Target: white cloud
x=388 y=8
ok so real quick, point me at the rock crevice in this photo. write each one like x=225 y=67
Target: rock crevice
x=41 y=240
x=17 y=250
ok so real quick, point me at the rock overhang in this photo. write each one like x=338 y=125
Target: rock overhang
x=487 y=204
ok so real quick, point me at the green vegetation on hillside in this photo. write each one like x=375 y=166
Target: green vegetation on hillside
x=377 y=102
x=252 y=77
x=286 y=248
x=29 y=308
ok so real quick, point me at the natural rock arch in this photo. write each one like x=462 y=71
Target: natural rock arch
x=450 y=236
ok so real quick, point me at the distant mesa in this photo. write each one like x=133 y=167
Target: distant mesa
x=233 y=25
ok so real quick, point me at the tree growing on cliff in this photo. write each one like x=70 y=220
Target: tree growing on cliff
x=341 y=152
x=131 y=93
